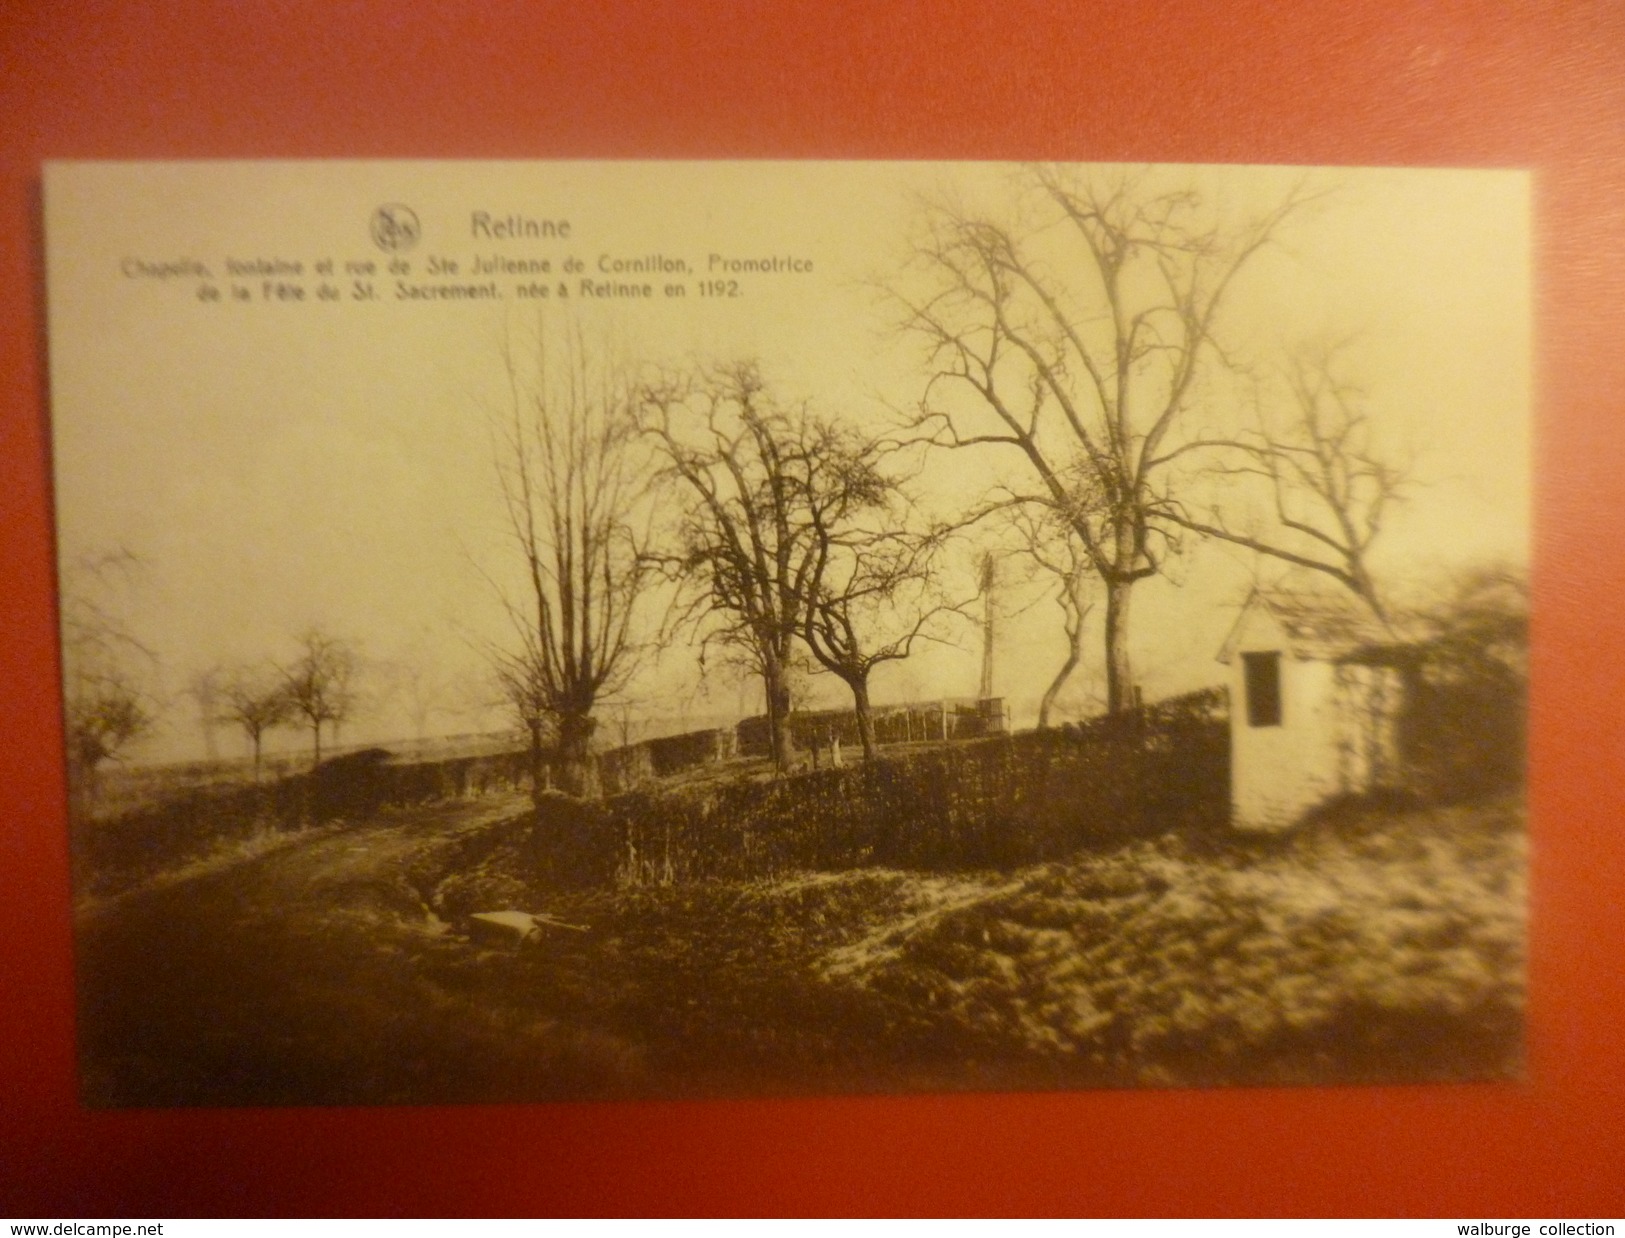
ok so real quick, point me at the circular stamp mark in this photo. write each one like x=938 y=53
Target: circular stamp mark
x=395 y=228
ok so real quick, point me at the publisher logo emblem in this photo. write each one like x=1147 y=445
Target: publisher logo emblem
x=395 y=228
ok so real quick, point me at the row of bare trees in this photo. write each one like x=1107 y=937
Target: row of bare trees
x=110 y=677
x=796 y=531
x=1080 y=343
x=316 y=688
x=792 y=534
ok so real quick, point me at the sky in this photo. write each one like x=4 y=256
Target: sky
x=277 y=461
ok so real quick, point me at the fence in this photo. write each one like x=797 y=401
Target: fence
x=814 y=729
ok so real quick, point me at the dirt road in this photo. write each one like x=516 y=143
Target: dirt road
x=308 y=974
x=319 y=972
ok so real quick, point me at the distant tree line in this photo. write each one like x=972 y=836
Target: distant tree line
x=110 y=676
x=316 y=688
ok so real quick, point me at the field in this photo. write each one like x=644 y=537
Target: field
x=123 y=789
x=336 y=967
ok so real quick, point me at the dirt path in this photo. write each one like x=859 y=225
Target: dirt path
x=296 y=976
x=317 y=972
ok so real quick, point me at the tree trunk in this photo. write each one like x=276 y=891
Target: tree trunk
x=866 y=717
x=316 y=732
x=257 y=737
x=776 y=684
x=575 y=768
x=1073 y=656
x=1119 y=672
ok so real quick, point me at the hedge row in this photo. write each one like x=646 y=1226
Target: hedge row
x=113 y=853
x=997 y=802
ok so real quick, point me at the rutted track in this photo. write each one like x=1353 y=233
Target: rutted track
x=295 y=977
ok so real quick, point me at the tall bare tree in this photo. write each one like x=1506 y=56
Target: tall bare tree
x=1318 y=471
x=569 y=465
x=1078 y=343
x=320 y=685
x=767 y=487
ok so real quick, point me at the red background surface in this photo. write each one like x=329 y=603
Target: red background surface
x=1538 y=86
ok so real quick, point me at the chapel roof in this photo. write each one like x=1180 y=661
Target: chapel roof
x=1322 y=624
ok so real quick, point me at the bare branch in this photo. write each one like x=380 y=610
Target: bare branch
x=570 y=471
x=1082 y=342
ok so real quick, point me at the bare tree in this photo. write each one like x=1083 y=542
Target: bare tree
x=871 y=593
x=255 y=699
x=1080 y=345
x=417 y=681
x=203 y=689
x=1049 y=544
x=520 y=679
x=108 y=705
x=754 y=473
x=1325 y=480
x=320 y=685
x=572 y=482
x=106 y=712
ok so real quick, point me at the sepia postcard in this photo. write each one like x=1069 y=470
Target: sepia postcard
x=540 y=631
